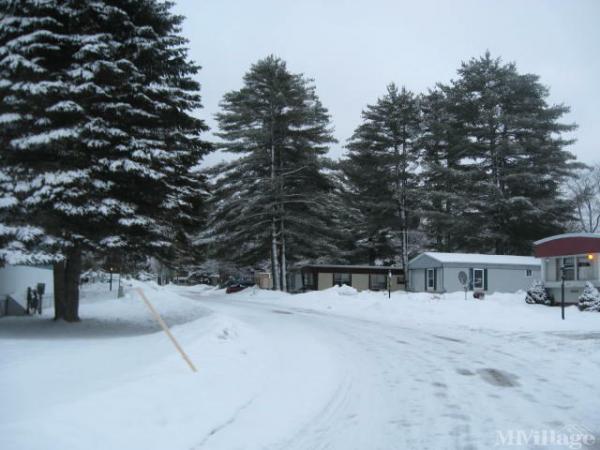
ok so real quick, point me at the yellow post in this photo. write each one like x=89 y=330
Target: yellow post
x=166 y=329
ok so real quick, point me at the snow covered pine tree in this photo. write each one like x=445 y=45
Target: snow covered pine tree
x=590 y=298
x=444 y=178
x=96 y=136
x=537 y=294
x=380 y=173
x=274 y=198
x=512 y=155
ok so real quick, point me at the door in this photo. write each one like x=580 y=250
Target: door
x=431 y=279
x=478 y=279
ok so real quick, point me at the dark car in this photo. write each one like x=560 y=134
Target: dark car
x=237 y=287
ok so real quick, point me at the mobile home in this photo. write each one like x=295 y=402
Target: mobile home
x=573 y=256
x=451 y=272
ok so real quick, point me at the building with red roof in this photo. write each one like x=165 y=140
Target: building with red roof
x=572 y=255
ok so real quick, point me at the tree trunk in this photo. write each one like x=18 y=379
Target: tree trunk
x=274 y=253
x=283 y=259
x=59 y=289
x=275 y=257
x=401 y=171
x=66 y=286
x=73 y=274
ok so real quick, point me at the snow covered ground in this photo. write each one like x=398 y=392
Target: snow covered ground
x=332 y=369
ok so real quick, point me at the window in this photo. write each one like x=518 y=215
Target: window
x=569 y=268
x=378 y=281
x=585 y=270
x=528 y=272
x=431 y=279
x=477 y=278
x=308 y=280
x=342 y=278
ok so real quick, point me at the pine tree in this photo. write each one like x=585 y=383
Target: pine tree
x=514 y=155
x=537 y=294
x=97 y=138
x=381 y=173
x=590 y=298
x=444 y=176
x=273 y=199
x=370 y=204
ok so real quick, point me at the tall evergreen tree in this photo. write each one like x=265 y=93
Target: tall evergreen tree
x=381 y=165
x=369 y=201
x=514 y=154
x=97 y=138
x=273 y=199
x=444 y=176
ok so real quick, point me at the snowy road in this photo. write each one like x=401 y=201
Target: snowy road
x=336 y=382
x=331 y=369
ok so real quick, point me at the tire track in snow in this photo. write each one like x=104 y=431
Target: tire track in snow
x=224 y=425
x=408 y=387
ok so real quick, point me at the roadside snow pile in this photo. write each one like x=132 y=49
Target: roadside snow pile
x=345 y=290
x=498 y=311
x=537 y=295
x=114 y=380
x=103 y=315
x=99 y=310
x=590 y=298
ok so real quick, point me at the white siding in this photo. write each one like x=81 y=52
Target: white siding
x=510 y=280
x=500 y=279
x=14 y=281
x=417 y=280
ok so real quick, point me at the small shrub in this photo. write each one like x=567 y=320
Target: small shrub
x=590 y=298
x=537 y=294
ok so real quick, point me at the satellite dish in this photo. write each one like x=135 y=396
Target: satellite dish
x=462 y=277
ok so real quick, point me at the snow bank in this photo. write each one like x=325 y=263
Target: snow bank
x=498 y=311
x=114 y=380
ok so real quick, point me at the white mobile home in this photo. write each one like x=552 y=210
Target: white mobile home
x=451 y=272
x=572 y=257
x=14 y=281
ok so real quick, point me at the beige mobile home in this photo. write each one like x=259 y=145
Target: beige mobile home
x=319 y=277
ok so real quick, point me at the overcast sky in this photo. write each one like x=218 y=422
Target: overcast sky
x=353 y=49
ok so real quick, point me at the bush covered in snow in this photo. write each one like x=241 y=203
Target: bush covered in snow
x=537 y=294
x=344 y=289
x=590 y=298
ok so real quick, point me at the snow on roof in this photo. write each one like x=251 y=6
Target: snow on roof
x=568 y=235
x=351 y=267
x=478 y=258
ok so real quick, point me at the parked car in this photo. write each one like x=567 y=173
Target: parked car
x=238 y=286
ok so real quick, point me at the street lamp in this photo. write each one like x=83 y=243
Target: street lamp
x=562 y=290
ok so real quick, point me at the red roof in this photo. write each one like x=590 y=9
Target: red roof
x=567 y=244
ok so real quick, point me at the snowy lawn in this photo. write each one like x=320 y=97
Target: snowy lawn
x=331 y=369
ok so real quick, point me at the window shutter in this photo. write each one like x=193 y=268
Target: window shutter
x=435 y=279
x=470 y=278
x=425 y=271
x=485 y=279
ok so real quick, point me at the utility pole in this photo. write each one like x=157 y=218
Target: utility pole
x=562 y=290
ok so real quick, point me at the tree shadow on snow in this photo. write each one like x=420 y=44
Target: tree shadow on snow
x=36 y=327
